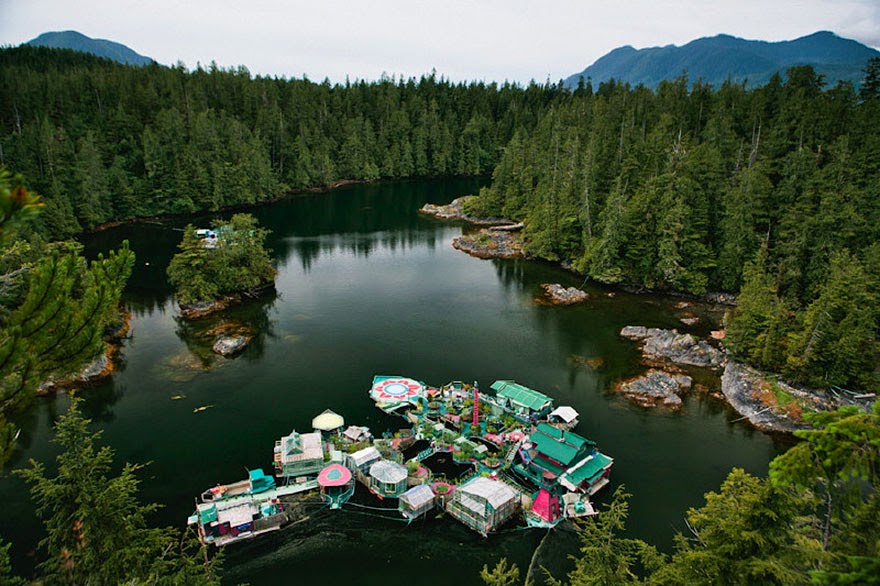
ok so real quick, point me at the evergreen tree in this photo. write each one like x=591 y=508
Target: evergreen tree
x=96 y=527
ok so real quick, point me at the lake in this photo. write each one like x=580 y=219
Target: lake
x=366 y=286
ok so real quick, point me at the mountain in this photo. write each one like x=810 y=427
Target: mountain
x=714 y=59
x=100 y=47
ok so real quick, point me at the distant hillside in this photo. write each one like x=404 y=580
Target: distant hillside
x=714 y=59
x=100 y=47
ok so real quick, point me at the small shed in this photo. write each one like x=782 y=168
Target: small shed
x=357 y=433
x=483 y=504
x=387 y=479
x=416 y=501
x=564 y=416
x=361 y=460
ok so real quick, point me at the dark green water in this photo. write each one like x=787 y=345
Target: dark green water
x=367 y=286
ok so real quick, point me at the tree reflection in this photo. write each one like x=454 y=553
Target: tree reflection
x=249 y=319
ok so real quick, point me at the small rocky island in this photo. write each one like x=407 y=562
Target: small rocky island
x=557 y=294
x=221 y=266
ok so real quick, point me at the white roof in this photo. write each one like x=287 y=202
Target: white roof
x=418 y=496
x=328 y=421
x=355 y=432
x=388 y=472
x=565 y=413
x=305 y=446
x=495 y=492
x=364 y=456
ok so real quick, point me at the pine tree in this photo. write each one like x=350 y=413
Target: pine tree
x=96 y=527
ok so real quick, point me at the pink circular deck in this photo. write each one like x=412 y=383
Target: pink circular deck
x=334 y=475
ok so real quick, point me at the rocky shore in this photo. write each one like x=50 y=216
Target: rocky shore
x=769 y=404
x=490 y=243
x=203 y=308
x=455 y=211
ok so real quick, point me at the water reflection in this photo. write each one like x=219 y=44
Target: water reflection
x=251 y=319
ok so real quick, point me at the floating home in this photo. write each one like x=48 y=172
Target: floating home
x=298 y=455
x=554 y=458
x=483 y=504
x=416 y=502
x=564 y=417
x=387 y=479
x=224 y=522
x=328 y=422
x=523 y=403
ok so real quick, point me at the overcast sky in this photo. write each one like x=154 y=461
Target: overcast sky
x=463 y=40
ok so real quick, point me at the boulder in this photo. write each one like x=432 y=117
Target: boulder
x=678 y=348
x=231 y=345
x=655 y=387
x=560 y=295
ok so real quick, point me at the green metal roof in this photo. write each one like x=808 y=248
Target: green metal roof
x=565 y=447
x=592 y=468
x=521 y=395
x=553 y=448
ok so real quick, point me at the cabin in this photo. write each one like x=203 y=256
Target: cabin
x=521 y=402
x=298 y=455
x=228 y=521
x=361 y=460
x=416 y=501
x=387 y=479
x=483 y=504
x=556 y=457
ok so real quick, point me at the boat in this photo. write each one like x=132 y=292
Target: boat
x=227 y=521
x=256 y=482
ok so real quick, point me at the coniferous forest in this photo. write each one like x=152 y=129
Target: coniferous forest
x=770 y=193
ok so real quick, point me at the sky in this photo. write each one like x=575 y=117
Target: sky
x=463 y=40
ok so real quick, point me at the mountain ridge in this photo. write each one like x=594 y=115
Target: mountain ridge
x=716 y=59
x=101 y=47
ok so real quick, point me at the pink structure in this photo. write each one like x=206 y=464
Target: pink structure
x=476 y=420
x=546 y=506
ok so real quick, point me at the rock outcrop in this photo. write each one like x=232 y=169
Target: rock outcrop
x=489 y=243
x=231 y=345
x=669 y=345
x=656 y=387
x=758 y=399
x=559 y=295
x=455 y=211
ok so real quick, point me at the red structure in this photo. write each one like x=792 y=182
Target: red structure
x=476 y=420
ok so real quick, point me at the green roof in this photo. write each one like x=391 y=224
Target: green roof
x=592 y=468
x=552 y=448
x=521 y=395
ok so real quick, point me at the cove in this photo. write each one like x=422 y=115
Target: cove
x=368 y=286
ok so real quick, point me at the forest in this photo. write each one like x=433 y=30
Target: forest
x=770 y=193
x=690 y=188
